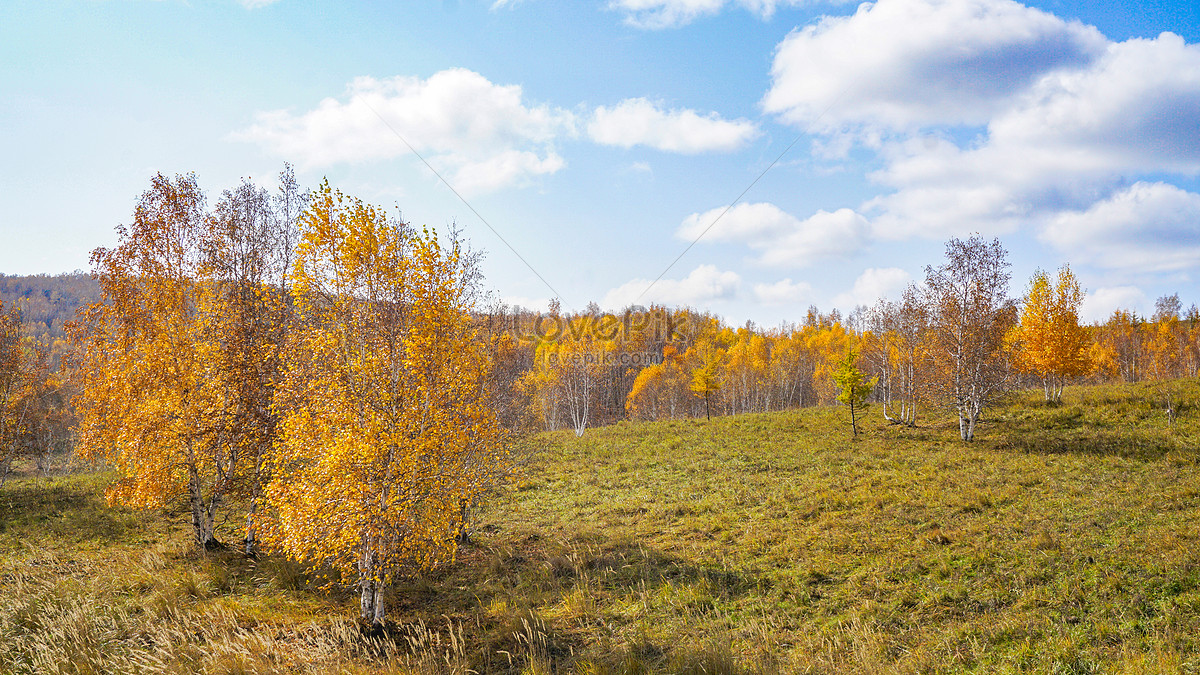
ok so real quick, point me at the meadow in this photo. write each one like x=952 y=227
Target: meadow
x=1064 y=540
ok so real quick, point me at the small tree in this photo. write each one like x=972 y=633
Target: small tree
x=1054 y=345
x=855 y=388
x=705 y=381
x=969 y=314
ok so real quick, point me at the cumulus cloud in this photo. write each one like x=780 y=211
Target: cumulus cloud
x=1100 y=304
x=1061 y=146
x=637 y=121
x=908 y=63
x=782 y=239
x=658 y=14
x=481 y=135
x=783 y=292
x=1136 y=108
x=873 y=284
x=1148 y=226
x=705 y=284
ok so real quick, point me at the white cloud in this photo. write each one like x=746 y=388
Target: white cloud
x=705 y=284
x=1149 y=226
x=510 y=167
x=637 y=121
x=783 y=292
x=255 y=4
x=481 y=135
x=873 y=284
x=658 y=14
x=908 y=63
x=1060 y=146
x=1099 y=305
x=782 y=239
x=1137 y=108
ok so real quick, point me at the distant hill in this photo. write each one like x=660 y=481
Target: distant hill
x=47 y=302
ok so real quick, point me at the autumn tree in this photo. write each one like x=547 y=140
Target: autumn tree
x=1166 y=346
x=970 y=312
x=910 y=326
x=147 y=405
x=746 y=372
x=579 y=362
x=385 y=428
x=247 y=249
x=660 y=391
x=1118 y=350
x=790 y=369
x=854 y=388
x=176 y=361
x=706 y=379
x=1191 y=324
x=1052 y=343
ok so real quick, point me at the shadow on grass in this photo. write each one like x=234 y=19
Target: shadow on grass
x=71 y=508
x=1128 y=443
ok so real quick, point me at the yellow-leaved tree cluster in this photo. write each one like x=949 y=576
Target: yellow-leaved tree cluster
x=956 y=342
x=304 y=352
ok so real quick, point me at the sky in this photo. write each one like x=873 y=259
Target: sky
x=755 y=157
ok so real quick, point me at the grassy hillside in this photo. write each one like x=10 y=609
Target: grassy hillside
x=1064 y=540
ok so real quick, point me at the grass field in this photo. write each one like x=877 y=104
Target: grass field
x=1065 y=540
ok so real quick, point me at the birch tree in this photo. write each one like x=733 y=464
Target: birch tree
x=970 y=312
x=385 y=428
x=147 y=402
x=178 y=361
x=1052 y=343
x=248 y=247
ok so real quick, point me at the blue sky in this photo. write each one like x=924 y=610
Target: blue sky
x=601 y=137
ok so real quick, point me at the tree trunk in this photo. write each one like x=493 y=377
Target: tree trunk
x=202 y=524
x=202 y=516
x=251 y=540
x=464 y=534
x=371 y=600
x=966 y=425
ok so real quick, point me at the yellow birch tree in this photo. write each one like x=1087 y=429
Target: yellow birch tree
x=1053 y=345
x=385 y=429
x=147 y=401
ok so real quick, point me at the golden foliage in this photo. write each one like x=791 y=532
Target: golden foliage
x=385 y=432
x=1050 y=342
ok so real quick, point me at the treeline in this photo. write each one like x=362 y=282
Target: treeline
x=587 y=368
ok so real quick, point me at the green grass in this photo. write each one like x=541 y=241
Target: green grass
x=1065 y=540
